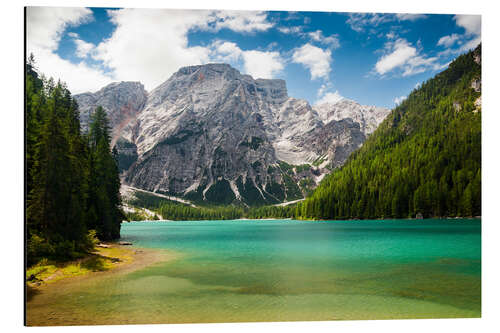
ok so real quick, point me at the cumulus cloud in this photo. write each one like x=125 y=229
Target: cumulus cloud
x=151 y=44
x=44 y=29
x=332 y=41
x=46 y=24
x=401 y=52
x=240 y=21
x=329 y=97
x=259 y=64
x=147 y=44
x=226 y=51
x=402 y=56
x=83 y=48
x=264 y=65
x=399 y=99
x=164 y=34
x=448 y=41
x=466 y=41
x=471 y=23
x=315 y=59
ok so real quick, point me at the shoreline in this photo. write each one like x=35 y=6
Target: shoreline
x=115 y=260
x=322 y=220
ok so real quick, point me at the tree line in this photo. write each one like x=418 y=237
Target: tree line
x=176 y=211
x=72 y=182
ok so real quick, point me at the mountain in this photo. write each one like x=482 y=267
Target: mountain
x=368 y=117
x=212 y=134
x=121 y=101
x=424 y=159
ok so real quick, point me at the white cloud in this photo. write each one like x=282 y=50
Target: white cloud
x=45 y=26
x=330 y=97
x=470 y=44
x=360 y=21
x=151 y=44
x=401 y=55
x=332 y=40
x=241 y=21
x=448 y=41
x=258 y=64
x=163 y=33
x=410 y=17
x=472 y=26
x=290 y=30
x=466 y=41
x=264 y=65
x=315 y=59
x=390 y=35
x=83 y=48
x=399 y=99
x=226 y=51
x=471 y=23
x=147 y=44
x=79 y=77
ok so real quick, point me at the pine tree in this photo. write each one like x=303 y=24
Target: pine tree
x=104 y=187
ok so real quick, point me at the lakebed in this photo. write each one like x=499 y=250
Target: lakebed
x=278 y=270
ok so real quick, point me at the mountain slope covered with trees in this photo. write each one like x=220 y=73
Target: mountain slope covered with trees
x=424 y=158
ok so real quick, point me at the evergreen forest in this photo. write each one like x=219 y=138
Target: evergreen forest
x=72 y=182
x=424 y=159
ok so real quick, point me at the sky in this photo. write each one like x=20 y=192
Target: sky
x=372 y=58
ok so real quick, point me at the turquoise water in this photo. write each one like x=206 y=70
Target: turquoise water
x=293 y=270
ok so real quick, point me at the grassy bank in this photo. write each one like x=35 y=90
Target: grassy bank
x=99 y=260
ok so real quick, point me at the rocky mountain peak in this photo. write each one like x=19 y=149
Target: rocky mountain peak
x=211 y=133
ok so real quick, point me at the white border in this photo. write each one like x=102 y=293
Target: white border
x=11 y=133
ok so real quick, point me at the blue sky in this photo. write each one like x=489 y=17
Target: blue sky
x=374 y=59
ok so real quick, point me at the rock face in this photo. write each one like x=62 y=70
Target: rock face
x=212 y=134
x=121 y=100
x=368 y=117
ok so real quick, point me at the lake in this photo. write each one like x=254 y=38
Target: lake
x=286 y=270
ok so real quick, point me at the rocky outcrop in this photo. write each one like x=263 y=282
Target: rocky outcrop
x=476 y=85
x=368 y=117
x=210 y=133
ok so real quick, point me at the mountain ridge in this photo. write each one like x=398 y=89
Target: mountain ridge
x=212 y=134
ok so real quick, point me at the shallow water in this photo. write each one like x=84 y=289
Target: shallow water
x=284 y=270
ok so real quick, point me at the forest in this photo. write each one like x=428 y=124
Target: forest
x=175 y=211
x=72 y=182
x=425 y=158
